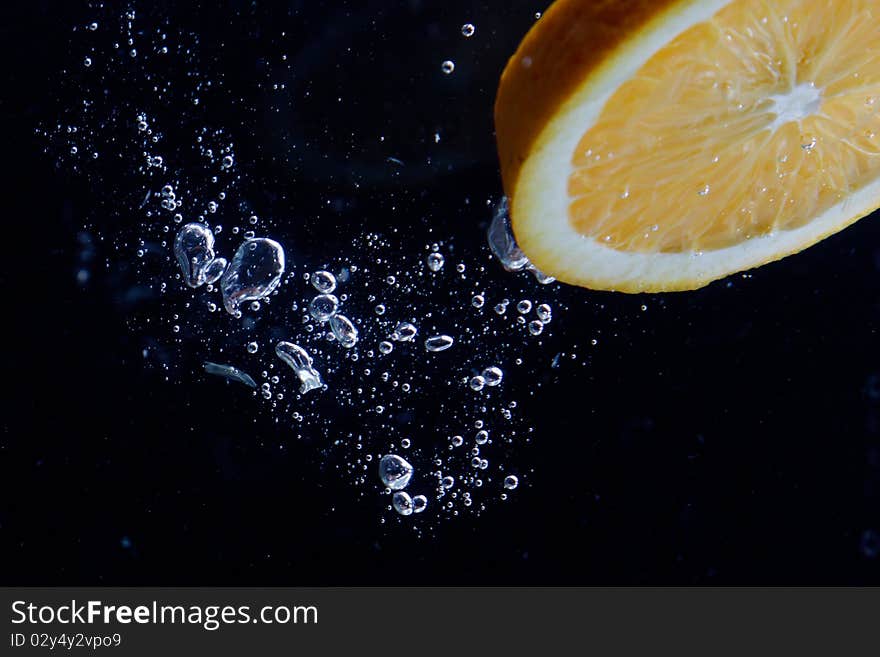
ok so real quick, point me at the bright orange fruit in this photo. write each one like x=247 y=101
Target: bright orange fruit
x=651 y=145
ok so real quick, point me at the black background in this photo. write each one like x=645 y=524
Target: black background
x=731 y=438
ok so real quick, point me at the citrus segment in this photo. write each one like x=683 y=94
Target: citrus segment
x=706 y=138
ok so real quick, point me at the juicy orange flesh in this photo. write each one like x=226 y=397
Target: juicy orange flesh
x=689 y=155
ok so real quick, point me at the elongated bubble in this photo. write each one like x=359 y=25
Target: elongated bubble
x=253 y=274
x=344 y=330
x=231 y=373
x=301 y=363
x=502 y=242
x=504 y=246
x=439 y=343
x=194 y=250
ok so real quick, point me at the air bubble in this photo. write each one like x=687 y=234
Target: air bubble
x=344 y=330
x=435 y=261
x=323 y=307
x=301 y=363
x=402 y=503
x=395 y=472
x=419 y=503
x=544 y=313
x=404 y=332
x=477 y=383
x=493 y=376
x=439 y=343
x=194 y=250
x=253 y=274
x=323 y=281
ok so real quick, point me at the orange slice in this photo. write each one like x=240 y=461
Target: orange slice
x=652 y=145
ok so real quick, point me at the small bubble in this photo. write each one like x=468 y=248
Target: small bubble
x=448 y=67
x=478 y=301
x=385 y=347
x=524 y=306
x=536 y=327
x=477 y=383
x=252 y=347
x=482 y=437
x=468 y=29
x=511 y=482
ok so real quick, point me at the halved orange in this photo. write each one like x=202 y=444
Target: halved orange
x=652 y=145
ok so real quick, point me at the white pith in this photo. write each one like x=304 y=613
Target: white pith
x=540 y=204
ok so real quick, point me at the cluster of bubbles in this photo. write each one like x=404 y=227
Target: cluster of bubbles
x=421 y=351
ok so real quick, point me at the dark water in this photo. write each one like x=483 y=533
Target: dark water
x=730 y=435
